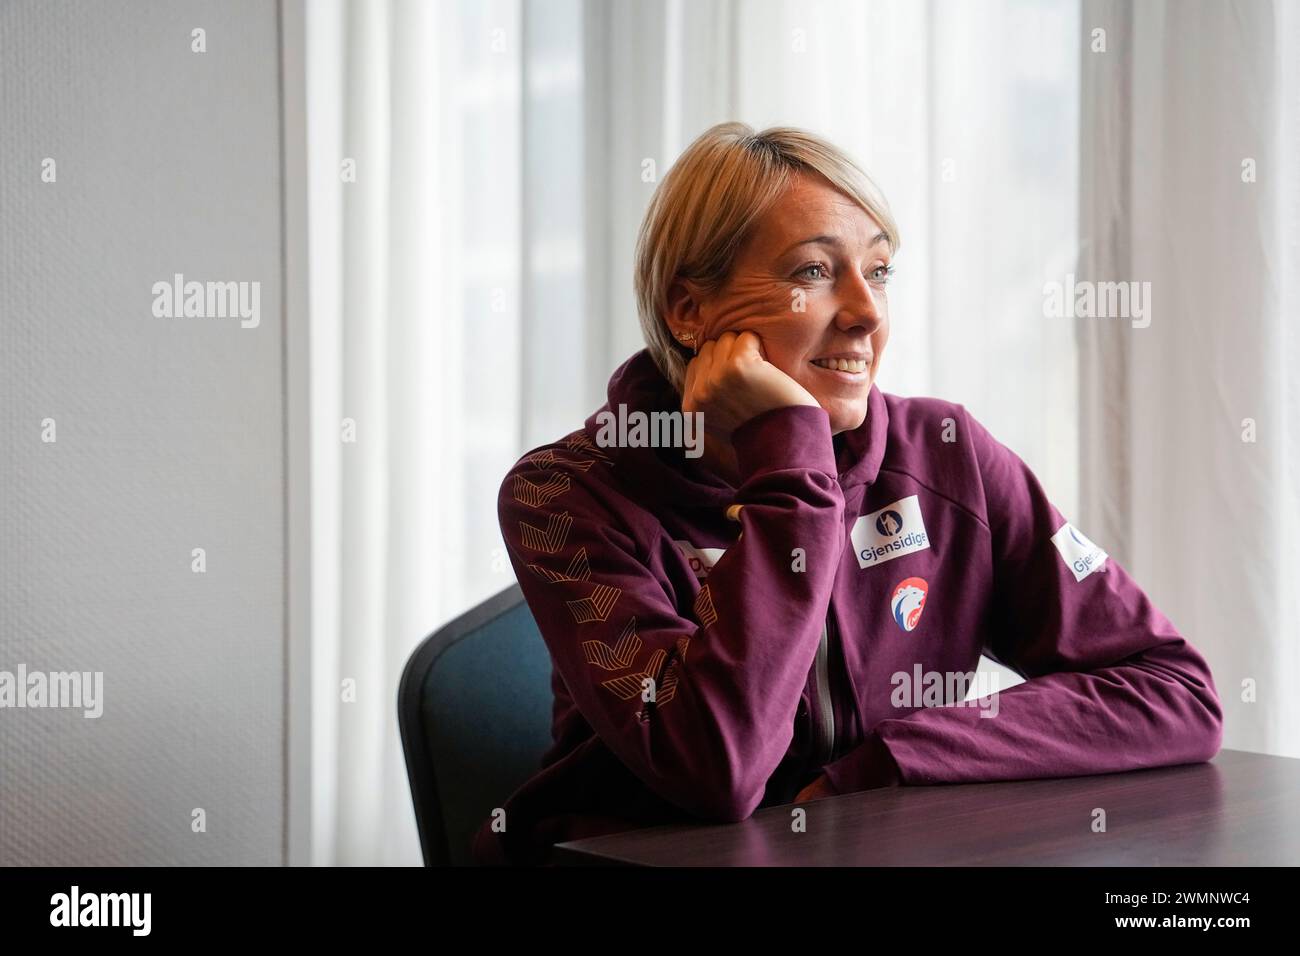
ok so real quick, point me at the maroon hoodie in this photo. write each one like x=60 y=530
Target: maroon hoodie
x=839 y=632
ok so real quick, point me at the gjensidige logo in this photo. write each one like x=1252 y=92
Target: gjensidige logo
x=1081 y=556
x=893 y=531
x=889 y=523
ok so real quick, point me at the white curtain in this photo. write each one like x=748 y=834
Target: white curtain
x=471 y=283
x=442 y=210
x=1191 y=425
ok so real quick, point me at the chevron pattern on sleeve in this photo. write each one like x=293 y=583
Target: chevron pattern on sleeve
x=580 y=442
x=597 y=606
x=547 y=459
x=549 y=541
x=618 y=657
x=633 y=685
x=537 y=496
x=578 y=570
x=704 y=607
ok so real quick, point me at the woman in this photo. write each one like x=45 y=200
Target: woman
x=785 y=616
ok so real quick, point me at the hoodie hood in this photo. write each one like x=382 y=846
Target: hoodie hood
x=668 y=474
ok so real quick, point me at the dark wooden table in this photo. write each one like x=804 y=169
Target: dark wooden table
x=1240 y=809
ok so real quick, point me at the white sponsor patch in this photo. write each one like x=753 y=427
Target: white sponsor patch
x=701 y=560
x=1080 y=555
x=891 y=532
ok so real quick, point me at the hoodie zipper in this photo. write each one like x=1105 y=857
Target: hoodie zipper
x=825 y=706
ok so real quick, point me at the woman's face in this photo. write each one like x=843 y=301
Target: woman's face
x=810 y=282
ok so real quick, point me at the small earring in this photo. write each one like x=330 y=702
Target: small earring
x=688 y=338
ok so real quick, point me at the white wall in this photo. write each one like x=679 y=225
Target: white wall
x=170 y=433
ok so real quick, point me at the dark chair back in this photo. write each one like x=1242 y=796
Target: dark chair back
x=474 y=708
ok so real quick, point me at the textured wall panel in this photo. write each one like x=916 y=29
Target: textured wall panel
x=169 y=432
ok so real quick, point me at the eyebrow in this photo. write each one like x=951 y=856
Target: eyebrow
x=833 y=241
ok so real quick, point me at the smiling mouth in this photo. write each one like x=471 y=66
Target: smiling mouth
x=853 y=366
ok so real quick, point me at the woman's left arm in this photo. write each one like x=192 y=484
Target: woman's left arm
x=1111 y=684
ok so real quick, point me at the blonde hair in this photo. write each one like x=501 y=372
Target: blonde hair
x=705 y=206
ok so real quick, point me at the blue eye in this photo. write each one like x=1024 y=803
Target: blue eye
x=881 y=273
x=813 y=265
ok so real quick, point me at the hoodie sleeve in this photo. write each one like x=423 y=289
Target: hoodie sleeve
x=696 y=694
x=1110 y=684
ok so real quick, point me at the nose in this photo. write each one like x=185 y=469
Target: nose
x=862 y=305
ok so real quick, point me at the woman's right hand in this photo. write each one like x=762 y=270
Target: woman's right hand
x=731 y=382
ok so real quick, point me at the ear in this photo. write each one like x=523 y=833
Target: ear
x=683 y=313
